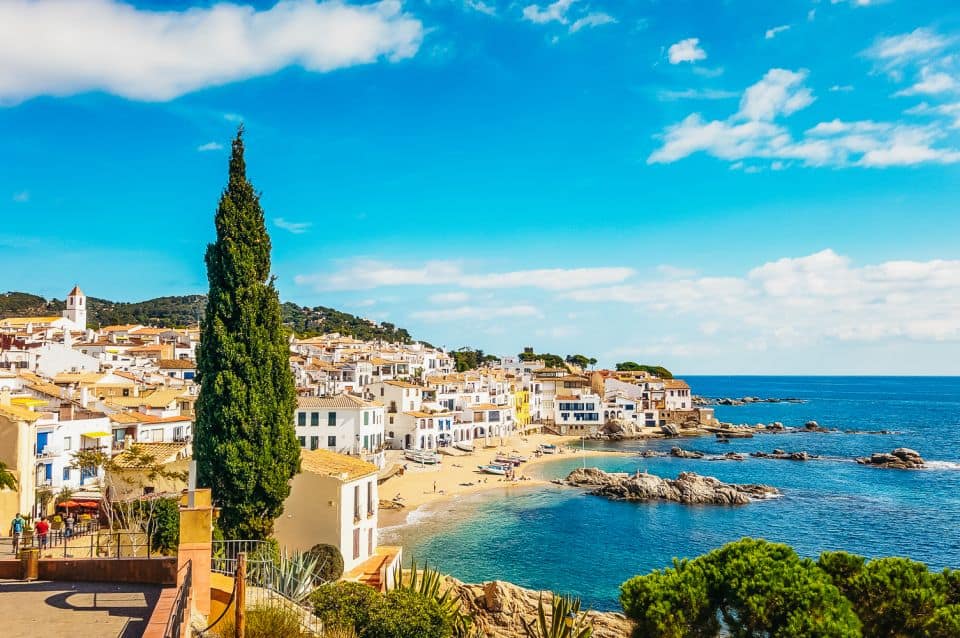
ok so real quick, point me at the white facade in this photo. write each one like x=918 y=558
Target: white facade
x=342 y=423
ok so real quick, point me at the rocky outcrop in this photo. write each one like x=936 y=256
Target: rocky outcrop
x=813 y=426
x=499 y=609
x=687 y=488
x=650 y=454
x=783 y=455
x=680 y=453
x=902 y=458
x=701 y=401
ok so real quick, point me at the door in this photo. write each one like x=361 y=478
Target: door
x=42 y=438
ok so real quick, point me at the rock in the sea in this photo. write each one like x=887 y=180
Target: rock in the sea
x=784 y=455
x=680 y=453
x=902 y=458
x=498 y=609
x=687 y=488
x=648 y=454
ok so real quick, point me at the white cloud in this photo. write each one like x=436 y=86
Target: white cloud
x=210 y=146
x=840 y=88
x=64 y=47
x=475 y=313
x=780 y=92
x=21 y=197
x=931 y=82
x=481 y=6
x=772 y=33
x=696 y=94
x=297 y=228
x=592 y=20
x=753 y=133
x=688 y=50
x=556 y=12
x=802 y=300
x=365 y=274
x=897 y=50
x=675 y=272
x=449 y=297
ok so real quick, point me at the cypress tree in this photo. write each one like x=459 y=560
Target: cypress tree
x=244 y=441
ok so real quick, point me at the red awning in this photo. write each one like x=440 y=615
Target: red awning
x=69 y=504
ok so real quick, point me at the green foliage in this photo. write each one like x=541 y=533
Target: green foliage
x=7 y=480
x=757 y=588
x=65 y=494
x=344 y=604
x=308 y=322
x=430 y=583
x=897 y=597
x=579 y=360
x=657 y=371
x=404 y=614
x=549 y=360
x=162 y=519
x=265 y=621
x=245 y=445
x=296 y=575
x=565 y=621
x=44 y=497
x=329 y=562
x=469 y=359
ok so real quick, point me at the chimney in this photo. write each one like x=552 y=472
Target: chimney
x=84 y=396
x=66 y=411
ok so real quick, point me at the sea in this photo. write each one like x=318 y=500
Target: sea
x=564 y=540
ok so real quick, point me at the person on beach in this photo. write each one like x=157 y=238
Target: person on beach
x=434 y=487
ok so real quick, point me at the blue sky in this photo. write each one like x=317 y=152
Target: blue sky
x=720 y=187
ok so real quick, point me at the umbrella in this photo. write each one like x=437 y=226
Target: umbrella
x=88 y=504
x=69 y=504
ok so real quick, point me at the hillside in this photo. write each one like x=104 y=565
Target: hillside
x=186 y=310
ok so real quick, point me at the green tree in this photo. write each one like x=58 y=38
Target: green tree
x=7 y=480
x=579 y=360
x=404 y=614
x=632 y=366
x=245 y=445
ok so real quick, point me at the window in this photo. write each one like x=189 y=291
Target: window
x=66 y=474
x=301 y=418
x=356 y=502
x=366 y=418
x=126 y=392
x=356 y=543
x=331 y=441
x=314 y=418
x=369 y=498
x=314 y=442
x=67 y=443
x=332 y=419
x=303 y=441
x=370 y=542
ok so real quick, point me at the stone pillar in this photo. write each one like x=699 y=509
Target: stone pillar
x=196 y=545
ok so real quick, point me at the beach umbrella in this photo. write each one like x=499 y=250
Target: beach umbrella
x=69 y=504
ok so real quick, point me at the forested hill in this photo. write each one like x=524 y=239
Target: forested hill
x=186 y=310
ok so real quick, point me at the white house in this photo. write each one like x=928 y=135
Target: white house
x=578 y=414
x=334 y=500
x=343 y=423
x=677 y=395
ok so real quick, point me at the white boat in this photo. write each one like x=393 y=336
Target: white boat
x=422 y=456
x=548 y=448
x=466 y=446
x=499 y=470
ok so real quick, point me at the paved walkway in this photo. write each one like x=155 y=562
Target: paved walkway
x=91 y=610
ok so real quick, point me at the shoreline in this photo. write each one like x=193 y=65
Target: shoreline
x=458 y=476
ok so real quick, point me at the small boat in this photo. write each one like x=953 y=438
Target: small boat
x=507 y=460
x=548 y=448
x=466 y=446
x=422 y=456
x=500 y=470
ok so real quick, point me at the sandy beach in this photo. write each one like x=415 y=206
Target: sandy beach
x=457 y=476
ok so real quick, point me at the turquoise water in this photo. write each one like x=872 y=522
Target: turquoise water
x=561 y=539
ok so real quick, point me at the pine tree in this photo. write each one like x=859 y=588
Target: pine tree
x=245 y=444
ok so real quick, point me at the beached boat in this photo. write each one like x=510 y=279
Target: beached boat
x=548 y=448
x=511 y=459
x=499 y=470
x=422 y=456
x=466 y=446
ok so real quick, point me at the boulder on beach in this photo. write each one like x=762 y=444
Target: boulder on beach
x=687 y=488
x=902 y=458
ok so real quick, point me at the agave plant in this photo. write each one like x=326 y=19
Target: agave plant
x=565 y=621
x=295 y=575
x=429 y=583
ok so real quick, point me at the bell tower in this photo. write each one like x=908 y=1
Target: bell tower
x=76 y=308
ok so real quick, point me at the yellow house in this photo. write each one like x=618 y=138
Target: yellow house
x=17 y=436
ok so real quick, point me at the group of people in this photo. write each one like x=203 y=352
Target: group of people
x=41 y=530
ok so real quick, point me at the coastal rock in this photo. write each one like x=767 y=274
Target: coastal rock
x=670 y=429
x=680 y=453
x=688 y=488
x=902 y=458
x=499 y=608
x=648 y=454
x=783 y=455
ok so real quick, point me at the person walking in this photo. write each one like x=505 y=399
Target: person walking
x=42 y=529
x=16 y=531
x=68 y=526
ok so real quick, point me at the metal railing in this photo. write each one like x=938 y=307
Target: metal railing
x=181 y=605
x=87 y=540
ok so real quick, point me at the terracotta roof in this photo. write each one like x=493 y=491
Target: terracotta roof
x=19 y=413
x=487 y=406
x=156 y=399
x=342 y=400
x=76 y=292
x=675 y=384
x=162 y=453
x=404 y=384
x=177 y=364
x=428 y=415
x=339 y=466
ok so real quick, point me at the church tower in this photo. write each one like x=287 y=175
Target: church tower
x=76 y=308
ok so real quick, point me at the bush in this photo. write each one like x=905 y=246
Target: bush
x=329 y=562
x=404 y=614
x=345 y=604
x=265 y=621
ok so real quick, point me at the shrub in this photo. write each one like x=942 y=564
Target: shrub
x=430 y=583
x=329 y=562
x=345 y=604
x=404 y=614
x=265 y=621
